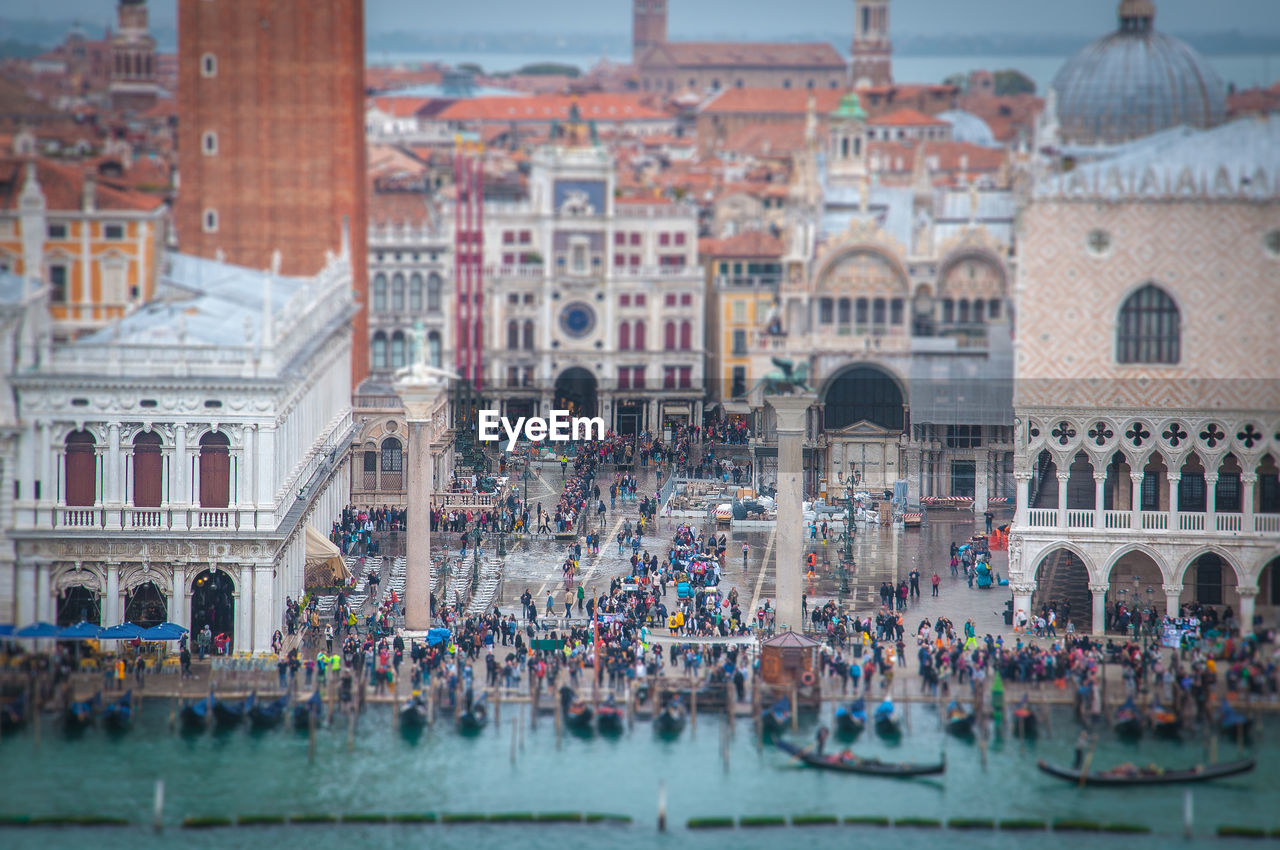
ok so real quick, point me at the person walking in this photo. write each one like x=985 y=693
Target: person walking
x=936 y=581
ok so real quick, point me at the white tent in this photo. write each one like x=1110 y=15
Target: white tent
x=325 y=567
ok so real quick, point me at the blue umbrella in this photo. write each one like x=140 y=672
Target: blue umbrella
x=80 y=631
x=37 y=631
x=164 y=631
x=6 y=630
x=124 y=631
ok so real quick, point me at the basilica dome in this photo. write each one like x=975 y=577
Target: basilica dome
x=1135 y=82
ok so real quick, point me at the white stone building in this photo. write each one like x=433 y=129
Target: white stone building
x=168 y=465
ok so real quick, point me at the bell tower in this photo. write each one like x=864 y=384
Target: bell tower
x=648 y=26
x=872 y=51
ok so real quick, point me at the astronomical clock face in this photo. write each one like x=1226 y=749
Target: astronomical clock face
x=577 y=319
x=973 y=276
x=863 y=273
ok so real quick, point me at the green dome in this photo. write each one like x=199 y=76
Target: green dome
x=850 y=108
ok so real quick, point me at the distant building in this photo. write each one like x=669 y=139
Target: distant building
x=133 y=84
x=872 y=51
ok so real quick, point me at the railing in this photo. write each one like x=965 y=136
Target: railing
x=131 y=519
x=1042 y=517
x=1155 y=521
x=81 y=518
x=224 y=518
x=464 y=500
x=748 y=281
x=1230 y=522
x=1079 y=519
x=1191 y=522
x=1117 y=519
x=1267 y=523
x=142 y=518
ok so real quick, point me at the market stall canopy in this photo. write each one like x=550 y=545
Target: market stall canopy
x=80 y=631
x=37 y=631
x=325 y=567
x=164 y=631
x=124 y=631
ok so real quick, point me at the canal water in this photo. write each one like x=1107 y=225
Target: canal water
x=243 y=773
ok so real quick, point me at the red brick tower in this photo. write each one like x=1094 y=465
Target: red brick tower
x=271 y=137
x=648 y=26
x=872 y=50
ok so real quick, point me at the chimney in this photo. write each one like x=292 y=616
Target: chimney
x=89 y=195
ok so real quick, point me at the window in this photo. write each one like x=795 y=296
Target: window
x=215 y=470
x=392 y=463
x=669 y=336
x=1148 y=330
x=210 y=221
x=624 y=378
x=508 y=237
x=668 y=377
x=624 y=337
x=433 y=293
x=1209 y=579
x=624 y=300
x=58 y=284
x=415 y=293
x=638 y=336
x=397 y=293
x=843 y=316
x=114 y=232
x=635 y=239
x=686 y=377
x=528 y=335
x=619 y=238
x=739 y=388
x=525 y=237
x=640 y=299
x=57 y=230
x=826 y=311
x=620 y=260
x=1227 y=495
x=993 y=308
x=208 y=65
x=80 y=487
x=508 y=259
x=739 y=312
x=1191 y=493
x=895 y=311
x=380 y=293
x=664 y=239
x=686 y=336
x=434 y=348
x=948 y=311
x=209 y=143
x=679 y=238
x=1150 y=492
x=148 y=475
x=686 y=300
x=397 y=350
x=637 y=377
x=513 y=336
x=670 y=300
x=379 y=351
x=964 y=436
x=962 y=478
x=113 y=280
x=739 y=343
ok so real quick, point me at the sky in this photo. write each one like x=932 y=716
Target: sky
x=756 y=19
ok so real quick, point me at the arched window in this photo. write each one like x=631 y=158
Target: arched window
x=963 y=311
x=148 y=471
x=528 y=335
x=624 y=337
x=1149 y=328
x=686 y=336
x=380 y=293
x=513 y=335
x=397 y=293
x=415 y=293
x=379 y=350
x=637 y=339
x=433 y=293
x=215 y=470
x=397 y=350
x=81 y=484
x=669 y=336
x=392 y=463
x=433 y=348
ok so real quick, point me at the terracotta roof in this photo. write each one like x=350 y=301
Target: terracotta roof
x=944 y=158
x=694 y=54
x=553 y=107
x=907 y=118
x=63 y=187
x=766 y=140
x=400 y=107
x=773 y=101
x=752 y=243
x=398 y=208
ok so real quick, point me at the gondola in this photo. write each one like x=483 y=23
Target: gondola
x=304 y=711
x=13 y=714
x=195 y=717
x=670 y=720
x=960 y=720
x=887 y=722
x=268 y=715
x=118 y=715
x=847 y=762
x=610 y=716
x=1025 y=721
x=1134 y=775
x=777 y=717
x=579 y=715
x=1234 y=724
x=851 y=719
x=79 y=715
x=413 y=714
x=1128 y=722
x=1165 y=724
x=227 y=715
x=474 y=718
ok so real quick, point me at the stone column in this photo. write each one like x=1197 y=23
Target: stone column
x=1099 y=498
x=180 y=492
x=1022 y=599
x=1247 y=482
x=179 y=611
x=44 y=593
x=981 y=468
x=1099 y=592
x=1135 y=501
x=1022 y=506
x=111 y=613
x=244 y=606
x=419 y=390
x=1245 y=619
x=1173 y=501
x=1172 y=599
x=265 y=617
x=791 y=411
x=1211 y=503
x=1063 y=478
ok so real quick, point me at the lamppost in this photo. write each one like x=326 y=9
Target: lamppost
x=524 y=475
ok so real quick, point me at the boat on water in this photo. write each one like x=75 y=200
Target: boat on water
x=886 y=718
x=118 y=715
x=268 y=715
x=610 y=716
x=777 y=717
x=670 y=719
x=228 y=715
x=1131 y=774
x=1025 y=720
x=79 y=715
x=851 y=718
x=413 y=714
x=579 y=715
x=960 y=719
x=303 y=712
x=475 y=717
x=195 y=717
x=847 y=762
x=1164 y=723
x=1128 y=721
x=1234 y=724
x=13 y=714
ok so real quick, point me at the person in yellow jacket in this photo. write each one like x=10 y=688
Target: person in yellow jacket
x=671 y=623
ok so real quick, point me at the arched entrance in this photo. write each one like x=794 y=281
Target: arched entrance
x=213 y=603
x=577 y=392
x=1210 y=582
x=1136 y=583
x=1062 y=584
x=146 y=606
x=79 y=604
x=1268 y=598
x=863 y=393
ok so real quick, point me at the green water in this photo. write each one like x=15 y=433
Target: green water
x=245 y=773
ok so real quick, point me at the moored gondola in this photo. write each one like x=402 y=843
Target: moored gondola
x=887 y=722
x=1164 y=723
x=228 y=715
x=960 y=720
x=610 y=716
x=118 y=715
x=195 y=717
x=1131 y=774
x=303 y=712
x=777 y=717
x=851 y=719
x=1025 y=721
x=579 y=715
x=1233 y=724
x=847 y=762
x=79 y=715
x=268 y=715
x=13 y=714
x=1128 y=722
x=475 y=717
x=413 y=714
x=670 y=720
